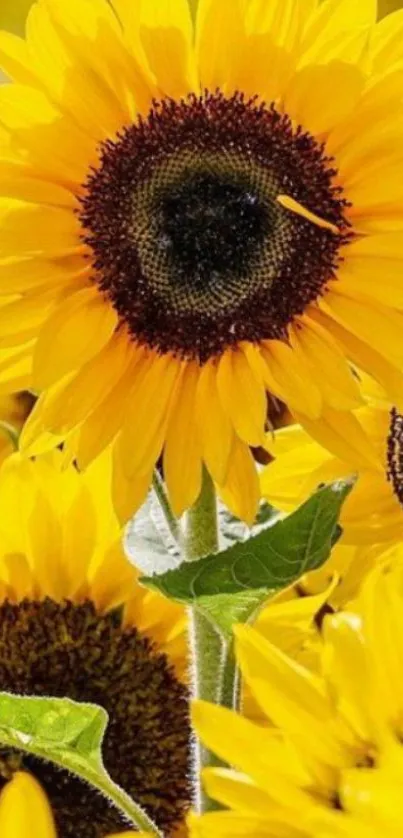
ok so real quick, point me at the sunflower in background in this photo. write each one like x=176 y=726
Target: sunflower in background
x=75 y=622
x=331 y=764
x=213 y=235
x=372 y=517
x=373 y=512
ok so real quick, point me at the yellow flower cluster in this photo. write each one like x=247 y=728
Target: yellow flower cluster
x=329 y=760
x=201 y=262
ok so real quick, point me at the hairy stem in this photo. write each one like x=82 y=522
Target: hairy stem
x=160 y=491
x=213 y=662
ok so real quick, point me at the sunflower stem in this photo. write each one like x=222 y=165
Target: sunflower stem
x=159 y=489
x=213 y=663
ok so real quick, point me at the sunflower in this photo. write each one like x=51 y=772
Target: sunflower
x=194 y=217
x=332 y=759
x=373 y=512
x=75 y=622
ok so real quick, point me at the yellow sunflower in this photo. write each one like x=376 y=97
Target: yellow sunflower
x=74 y=622
x=333 y=759
x=194 y=216
x=373 y=512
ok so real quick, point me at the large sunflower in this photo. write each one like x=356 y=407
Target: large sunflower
x=194 y=216
x=74 y=622
x=331 y=764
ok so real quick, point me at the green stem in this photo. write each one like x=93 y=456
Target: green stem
x=202 y=523
x=127 y=806
x=159 y=489
x=213 y=662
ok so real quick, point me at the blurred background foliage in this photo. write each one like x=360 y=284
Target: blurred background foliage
x=13 y=12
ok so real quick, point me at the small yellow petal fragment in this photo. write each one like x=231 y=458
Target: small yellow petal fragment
x=294 y=206
x=130 y=835
x=24 y=809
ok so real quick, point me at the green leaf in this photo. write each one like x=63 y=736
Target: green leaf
x=268 y=561
x=70 y=735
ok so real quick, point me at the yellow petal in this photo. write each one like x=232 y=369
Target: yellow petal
x=220 y=37
x=241 y=490
x=79 y=540
x=79 y=56
x=143 y=433
x=230 y=825
x=46 y=541
x=84 y=390
x=15 y=59
x=345 y=654
x=367 y=318
x=251 y=748
x=16 y=369
x=75 y=332
x=21 y=182
x=319 y=97
x=365 y=357
x=327 y=364
x=288 y=368
x=215 y=427
x=298 y=469
x=182 y=453
x=291 y=696
x=166 y=33
x=23 y=583
x=236 y=791
x=105 y=422
x=367 y=259
x=44 y=136
x=47 y=230
x=20 y=275
x=338 y=29
x=242 y=396
x=284 y=21
x=387 y=41
x=24 y=809
x=130 y=835
x=22 y=318
x=341 y=433
x=127 y=495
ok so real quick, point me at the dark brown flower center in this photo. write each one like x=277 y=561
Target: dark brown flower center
x=395 y=453
x=47 y=648
x=188 y=240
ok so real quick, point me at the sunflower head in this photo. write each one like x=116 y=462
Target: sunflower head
x=76 y=623
x=186 y=235
x=213 y=242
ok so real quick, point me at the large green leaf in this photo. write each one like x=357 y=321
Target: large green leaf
x=69 y=734
x=268 y=561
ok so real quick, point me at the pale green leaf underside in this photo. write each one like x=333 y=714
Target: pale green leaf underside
x=270 y=560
